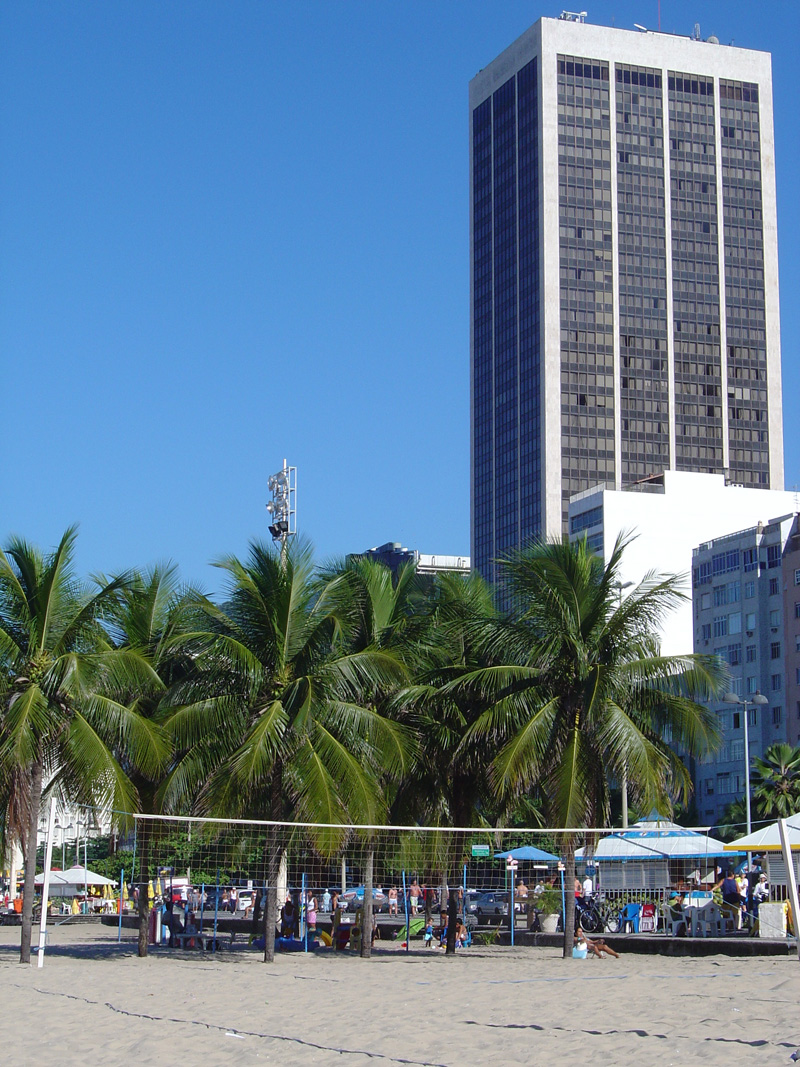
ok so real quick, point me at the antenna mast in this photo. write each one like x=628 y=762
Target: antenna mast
x=283 y=506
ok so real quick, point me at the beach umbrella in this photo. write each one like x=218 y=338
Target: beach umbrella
x=528 y=853
x=768 y=838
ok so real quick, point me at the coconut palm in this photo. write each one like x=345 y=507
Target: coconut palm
x=278 y=720
x=144 y=616
x=580 y=697
x=776 y=781
x=373 y=608
x=58 y=726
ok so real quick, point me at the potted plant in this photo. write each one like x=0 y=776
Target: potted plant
x=548 y=905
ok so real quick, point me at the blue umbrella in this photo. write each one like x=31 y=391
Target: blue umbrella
x=528 y=852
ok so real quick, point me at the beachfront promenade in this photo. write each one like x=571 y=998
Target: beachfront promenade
x=95 y=1001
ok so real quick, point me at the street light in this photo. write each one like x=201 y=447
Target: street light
x=758 y=698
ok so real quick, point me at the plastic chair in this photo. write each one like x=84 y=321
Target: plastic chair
x=647 y=922
x=674 y=922
x=629 y=916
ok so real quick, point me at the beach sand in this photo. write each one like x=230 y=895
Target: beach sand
x=95 y=1002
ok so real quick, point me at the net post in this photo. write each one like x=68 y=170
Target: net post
x=121 y=891
x=405 y=905
x=216 y=914
x=46 y=882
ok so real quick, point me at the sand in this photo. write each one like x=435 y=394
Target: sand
x=95 y=1002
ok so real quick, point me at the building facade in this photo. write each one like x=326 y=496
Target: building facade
x=666 y=517
x=624 y=281
x=394 y=555
x=742 y=585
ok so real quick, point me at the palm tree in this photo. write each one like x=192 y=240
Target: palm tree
x=580 y=695
x=58 y=728
x=275 y=721
x=147 y=612
x=776 y=782
x=375 y=609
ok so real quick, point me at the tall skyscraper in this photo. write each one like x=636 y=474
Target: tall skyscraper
x=624 y=288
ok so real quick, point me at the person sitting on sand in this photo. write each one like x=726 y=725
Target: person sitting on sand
x=597 y=947
x=288 y=919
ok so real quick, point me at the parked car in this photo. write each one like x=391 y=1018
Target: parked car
x=484 y=904
x=355 y=898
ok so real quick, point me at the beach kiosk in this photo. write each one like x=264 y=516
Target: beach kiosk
x=654 y=854
x=766 y=843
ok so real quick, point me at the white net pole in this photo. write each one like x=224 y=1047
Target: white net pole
x=46 y=881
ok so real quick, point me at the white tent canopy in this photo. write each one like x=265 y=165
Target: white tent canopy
x=657 y=839
x=768 y=838
x=74 y=879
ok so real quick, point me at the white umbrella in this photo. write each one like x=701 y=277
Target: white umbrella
x=75 y=876
x=658 y=839
x=768 y=838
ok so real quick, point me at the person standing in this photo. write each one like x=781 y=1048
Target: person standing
x=414 y=893
x=393 y=900
x=326 y=901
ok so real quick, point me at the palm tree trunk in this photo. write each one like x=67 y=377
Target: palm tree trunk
x=29 y=888
x=568 y=852
x=271 y=910
x=366 y=911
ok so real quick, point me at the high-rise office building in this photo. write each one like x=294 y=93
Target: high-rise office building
x=624 y=286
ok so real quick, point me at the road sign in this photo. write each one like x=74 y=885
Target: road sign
x=511 y=864
x=481 y=850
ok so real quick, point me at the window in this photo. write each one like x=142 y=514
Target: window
x=797 y=576
x=774 y=587
x=709 y=787
x=797 y=675
x=721 y=626
x=776 y=681
x=752 y=686
x=797 y=610
x=752 y=719
x=750 y=654
x=702 y=574
x=775 y=650
x=720 y=595
x=773 y=556
x=750 y=620
x=737 y=720
x=723 y=784
x=775 y=618
x=750 y=559
x=735 y=623
x=776 y=716
x=705 y=631
x=724 y=562
x=734 y=656
x=736 y=686
x=705 y=601
x=749 y=590
x=737 y=751
x=797 y=643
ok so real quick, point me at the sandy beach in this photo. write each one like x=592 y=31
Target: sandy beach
x=94 y=1001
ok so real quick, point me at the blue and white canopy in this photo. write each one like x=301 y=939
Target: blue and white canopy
x=656 y=839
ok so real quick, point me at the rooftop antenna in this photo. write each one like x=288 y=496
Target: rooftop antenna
x=573 y=16
x=659 y=16
x=283 y=506
x=696 y=33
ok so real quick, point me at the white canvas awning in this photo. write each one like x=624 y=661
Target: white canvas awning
x=79 y=877
x=768 y=838
x=657 y=839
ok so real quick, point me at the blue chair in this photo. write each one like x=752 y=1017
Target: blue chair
x=629 y=916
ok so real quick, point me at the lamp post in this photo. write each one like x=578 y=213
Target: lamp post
x=758 y=698
x=619 y=586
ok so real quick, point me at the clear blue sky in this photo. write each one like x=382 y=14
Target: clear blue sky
x=236 y=231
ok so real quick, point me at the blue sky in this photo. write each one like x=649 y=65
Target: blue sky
x=233 y=232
